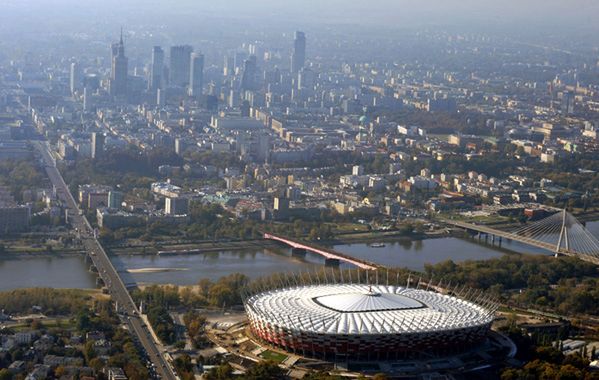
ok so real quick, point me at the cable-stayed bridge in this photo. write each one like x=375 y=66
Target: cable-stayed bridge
x=559 y=233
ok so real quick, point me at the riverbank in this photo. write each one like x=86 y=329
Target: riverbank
x=253 y=244
x=191 y=248
x=12 y=255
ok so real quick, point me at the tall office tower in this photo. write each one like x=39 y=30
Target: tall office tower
x=118 y=79
x=246 y=108
x=298 y=58
x=196 y=75
x=114 y=51
x=568 y=103
x=75 y=78
x=263 y=152
x=160 y=97
x=305 y=79
x=229 y=66
x=248 y=79
x=85 y=99
x=157 y=69
x=97 y=145
x=180 y=65
x=115 y=199
x=239 y=59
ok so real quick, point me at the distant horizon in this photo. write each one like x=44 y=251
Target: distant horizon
x=551 y=14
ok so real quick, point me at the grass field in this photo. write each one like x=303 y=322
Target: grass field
x=274 y=356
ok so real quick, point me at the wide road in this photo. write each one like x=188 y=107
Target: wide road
x=522 y=239
x=106 y=270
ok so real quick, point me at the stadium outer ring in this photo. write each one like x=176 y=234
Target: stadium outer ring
x=457 y=324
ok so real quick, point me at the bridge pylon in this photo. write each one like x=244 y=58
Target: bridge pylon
x=563 y=235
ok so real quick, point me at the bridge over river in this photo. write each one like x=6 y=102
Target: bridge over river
x=559 y=233
x=332 y=258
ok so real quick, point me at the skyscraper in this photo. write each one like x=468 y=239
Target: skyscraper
x=196 y=75
x=118 y=79
x=298 y=58
x=75 y=78
x=115 y=199
x=180 y=65
x=568 y=103
x=248 y=79
x=97 y=145
x=85 y=99
x=157 y=69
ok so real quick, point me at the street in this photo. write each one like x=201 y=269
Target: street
x=106 y=270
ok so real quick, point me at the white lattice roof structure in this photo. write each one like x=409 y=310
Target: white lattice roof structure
x=365 y=309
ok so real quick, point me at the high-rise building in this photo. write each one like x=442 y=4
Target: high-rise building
x=196 y=75
x=229 y=66
x=97 y=145
x=160 y=97
x=120 y=63
x=75 y=78
x=180 y=61
x=568 y=103
x=180 y=145
x=263 y=151
x=115 y=199
x=157 y=69
x=176 y=206
x=305 y=79
x=298 y=58
x=248 y=79
x=357 y=170
x=85 y=99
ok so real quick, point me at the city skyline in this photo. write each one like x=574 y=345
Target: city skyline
x=300 y=189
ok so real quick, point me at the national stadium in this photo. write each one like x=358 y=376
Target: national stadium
x=346 y=321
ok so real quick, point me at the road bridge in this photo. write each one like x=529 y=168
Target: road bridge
x=331 y=257
x=559 y=233
x=106 y=271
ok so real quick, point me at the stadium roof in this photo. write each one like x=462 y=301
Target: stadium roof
x=365 y=309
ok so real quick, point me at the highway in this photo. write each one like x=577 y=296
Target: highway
x=106 y=270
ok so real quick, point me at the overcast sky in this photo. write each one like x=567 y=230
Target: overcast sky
x=548 y=14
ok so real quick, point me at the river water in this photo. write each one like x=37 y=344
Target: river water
x=72 y=271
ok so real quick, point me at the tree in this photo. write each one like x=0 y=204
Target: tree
x=59 y=372
x=184 y=367
x=5 y=374
x=576 y=360
x=380 y=376
x=568 y=372
x=221 y=295
x=222 y=372
x=265 y=370
x=321 y=376
x=89 y=351
x=96 y=363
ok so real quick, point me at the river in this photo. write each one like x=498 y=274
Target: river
x=71 y=271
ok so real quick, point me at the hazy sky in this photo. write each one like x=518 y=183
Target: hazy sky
x=576 y=17
x=573 y=12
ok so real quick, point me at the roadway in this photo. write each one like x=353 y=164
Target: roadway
x=117 y=289
x=522 y=239
x=326 y=253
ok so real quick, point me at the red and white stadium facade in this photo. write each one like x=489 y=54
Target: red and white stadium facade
x=345 y=321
